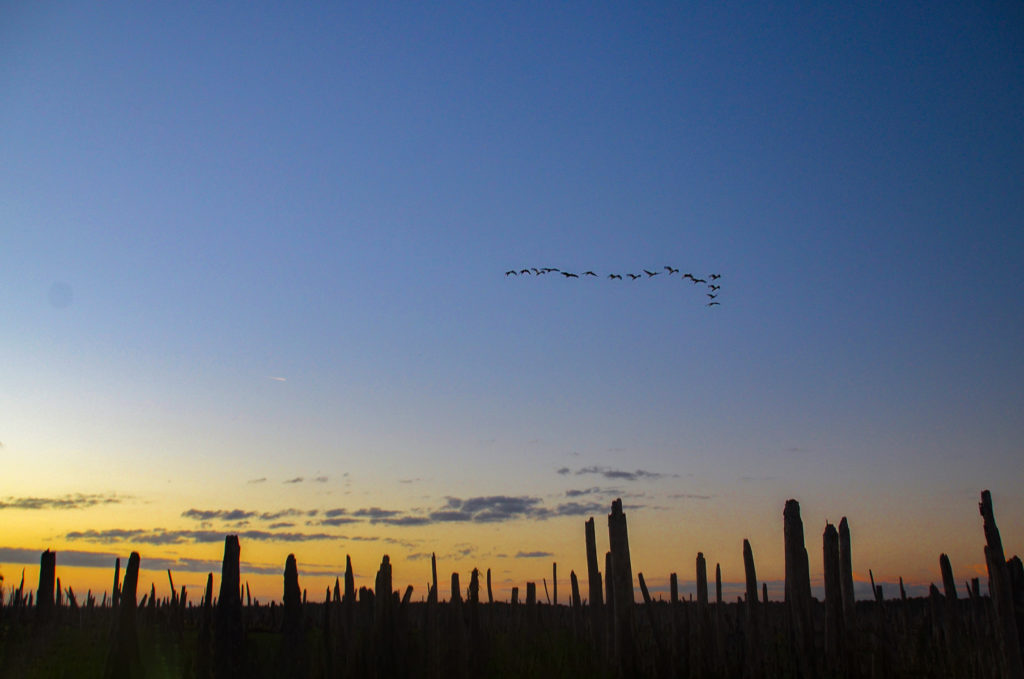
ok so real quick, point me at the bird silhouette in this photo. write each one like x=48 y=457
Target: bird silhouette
x=688 y=275
x=651 y=274
x=715 y=276
x=671 y=270
x=535 y=270
x=714 y=287
x=526 y=271
x=634 y=276
x=712 y=296
x=613 y=276
x=713 y=304
x=589 y=273
x=550 y=270
x=568 y=275
x=698 y=280
x=511 y=273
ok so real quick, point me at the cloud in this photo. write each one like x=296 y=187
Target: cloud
x=161 y=536
x=494 y=508
x=281 y=524
x=332 y=521
x=564 y=470
x=690 y=496
x=297 y=479
x=375 y=514
x=285 y=513
x=278 y=379
x=532 y=555
x=238 y=515
x=482 y=509
x=578 y=509
x=221 y=514
x=320 y=479
x=73 y=501
x=609 y=473
x=592 y=491
x=262 y=479
x=407 y=521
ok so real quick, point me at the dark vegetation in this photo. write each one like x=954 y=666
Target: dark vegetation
x=380 y=632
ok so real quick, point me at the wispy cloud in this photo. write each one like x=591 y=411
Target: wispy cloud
x=689 y=496
x=333 y=521
x=219 y=514
x=579 y=509
x=238 y=515
x=375 y=514
x=297 y=479
x=262 y=479
x=161 y=536
x=592 y=491
x=74 y=501
x=407 y=521
x=533 y=555
x=278 y=379
x=564 y=470
x=609 y=473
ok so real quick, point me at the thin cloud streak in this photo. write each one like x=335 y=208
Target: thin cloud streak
x=161 y=536
x=73 y=501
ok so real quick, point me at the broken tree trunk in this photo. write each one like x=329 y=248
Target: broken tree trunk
x=798 y=588
x=1002 y=594
x=123 y=660
x=622 y=573
x=846 y=573
x=948 y=583
x=229 y=634
x=45 y=591
x=834 y=628
x=754 y=662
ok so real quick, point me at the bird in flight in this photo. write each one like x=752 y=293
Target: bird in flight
x=526 y=271
x=613 y=276
x=511 y=272
x=712 y=296
x=633 y=276
x=651 y=274
x=698 y=280
x=714 y=287
x=713 y=304
x=589 y=273
x=568 y=275
x=688 y=275
x=715 y=276
x=671 y=270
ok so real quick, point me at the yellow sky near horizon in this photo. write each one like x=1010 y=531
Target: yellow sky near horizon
x=519 y=550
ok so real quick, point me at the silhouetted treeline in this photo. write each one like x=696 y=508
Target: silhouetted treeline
x=605 y=631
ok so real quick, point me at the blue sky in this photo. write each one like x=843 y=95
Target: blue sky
x=196 y=199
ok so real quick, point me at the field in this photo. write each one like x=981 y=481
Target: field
x=602 y=632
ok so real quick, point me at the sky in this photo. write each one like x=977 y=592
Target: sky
x=252 y=282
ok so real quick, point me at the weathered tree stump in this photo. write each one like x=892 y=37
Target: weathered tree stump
x=123 y=660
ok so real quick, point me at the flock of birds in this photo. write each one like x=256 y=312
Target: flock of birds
x=711 y=281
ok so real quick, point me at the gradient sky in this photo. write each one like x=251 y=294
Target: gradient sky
x=252 y=258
